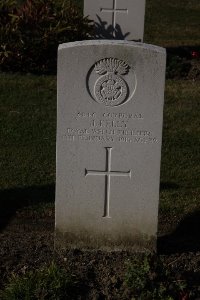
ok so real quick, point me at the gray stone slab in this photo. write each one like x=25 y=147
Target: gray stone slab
x=109 y=132
x=118 y=19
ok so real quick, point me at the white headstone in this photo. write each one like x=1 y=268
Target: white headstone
x=109 y=131
x=118 y=19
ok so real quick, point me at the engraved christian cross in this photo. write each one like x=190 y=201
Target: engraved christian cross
x=107 y=173
x=114 y=10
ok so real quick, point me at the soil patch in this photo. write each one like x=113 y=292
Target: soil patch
x=27 y=243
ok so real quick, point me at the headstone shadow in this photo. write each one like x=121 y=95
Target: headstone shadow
x=185 y=238
x=168 y=186
x=183 y=62
x=186 y=51
x=14 y=199
x=105 y=31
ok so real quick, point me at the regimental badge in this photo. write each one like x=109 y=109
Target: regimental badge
x=111 y=89
x=111 y=84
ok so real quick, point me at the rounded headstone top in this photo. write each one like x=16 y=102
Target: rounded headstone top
x=112 y=43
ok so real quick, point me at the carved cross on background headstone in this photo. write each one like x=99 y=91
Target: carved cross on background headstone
x=117 y=19
x=114 y=10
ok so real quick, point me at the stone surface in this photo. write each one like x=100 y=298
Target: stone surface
x=109 y=131
x=118 y=19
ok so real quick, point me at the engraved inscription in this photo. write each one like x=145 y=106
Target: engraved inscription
x=109 y=115
x=109 y=123
x=109 y=127
x=107 y=173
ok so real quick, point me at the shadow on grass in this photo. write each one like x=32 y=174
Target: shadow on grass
x=188 y=52
x=185 y=238
x=168 y=186
x=183 y=62
x=13 y=199
x=104 y=30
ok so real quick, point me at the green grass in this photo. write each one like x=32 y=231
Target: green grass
x=180 y=169
x=149 y=279
x=50 y=283
x=27 y=130
x=172 y=23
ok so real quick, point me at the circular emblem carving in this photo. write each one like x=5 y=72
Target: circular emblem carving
x=110 y=90
x=110 y=79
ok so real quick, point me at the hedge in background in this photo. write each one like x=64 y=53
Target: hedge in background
x=30 y=33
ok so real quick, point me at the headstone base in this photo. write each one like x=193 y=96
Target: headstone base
x=86 y=241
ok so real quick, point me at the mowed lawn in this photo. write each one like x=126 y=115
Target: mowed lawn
x=27 y=130
x=180 y=168
x=172 y=23
x=28 y=139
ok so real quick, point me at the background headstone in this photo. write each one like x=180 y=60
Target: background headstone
x=118 y=19
x=109 y=131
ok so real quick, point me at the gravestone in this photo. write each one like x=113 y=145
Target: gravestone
x=109 y=132
x=117 y=19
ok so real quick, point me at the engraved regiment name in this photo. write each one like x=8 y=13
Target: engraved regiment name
x=109 y=127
